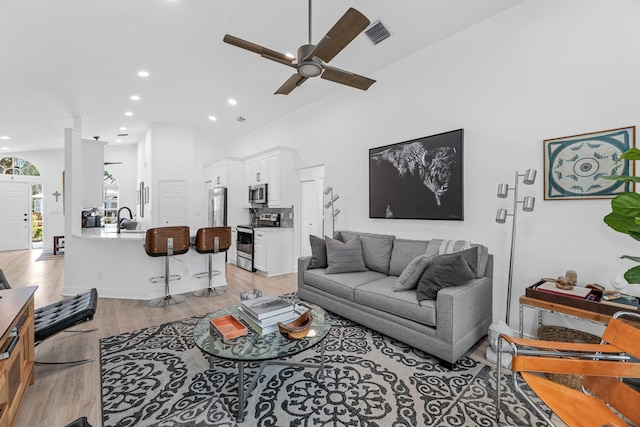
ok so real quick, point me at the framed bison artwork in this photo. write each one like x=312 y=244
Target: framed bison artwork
x=418 y=179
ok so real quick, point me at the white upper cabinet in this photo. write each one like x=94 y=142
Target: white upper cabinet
x=220 y=173
x=276 y=168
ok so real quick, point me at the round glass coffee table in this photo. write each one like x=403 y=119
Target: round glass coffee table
x=254 y=347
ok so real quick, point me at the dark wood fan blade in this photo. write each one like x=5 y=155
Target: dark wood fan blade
x=292 y=82
x=260 y=50
x=340 y=35
x=347 y=78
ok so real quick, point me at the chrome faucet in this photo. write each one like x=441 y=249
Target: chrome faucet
x=118 y=218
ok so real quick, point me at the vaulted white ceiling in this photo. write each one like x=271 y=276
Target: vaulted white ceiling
x=61 y=59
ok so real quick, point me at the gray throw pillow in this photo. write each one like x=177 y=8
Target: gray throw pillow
x=318 y=252
x=443 y=272
x=344 y=257
x=411 y=274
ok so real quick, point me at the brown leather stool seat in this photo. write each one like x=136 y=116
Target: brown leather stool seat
x=166 y=242
x=211 y=240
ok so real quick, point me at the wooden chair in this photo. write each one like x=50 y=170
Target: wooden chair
x=605 y=398
x=211 y=240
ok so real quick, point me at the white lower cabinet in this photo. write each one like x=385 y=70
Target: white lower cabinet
x=273 y=251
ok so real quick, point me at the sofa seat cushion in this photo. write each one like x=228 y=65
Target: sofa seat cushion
x=379 y=295
x=342 y=285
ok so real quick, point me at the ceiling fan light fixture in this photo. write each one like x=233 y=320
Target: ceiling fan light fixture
x=309 y=69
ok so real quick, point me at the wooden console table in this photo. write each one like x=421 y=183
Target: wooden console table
x=17 y=348
x=554 y=307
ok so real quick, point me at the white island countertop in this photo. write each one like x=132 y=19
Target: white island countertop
x=111 y=233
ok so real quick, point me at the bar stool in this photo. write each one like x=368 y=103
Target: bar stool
x=211 y=240
x=166 y=242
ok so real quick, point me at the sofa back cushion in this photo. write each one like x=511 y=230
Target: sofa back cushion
x=404 y=251
x=376 y=249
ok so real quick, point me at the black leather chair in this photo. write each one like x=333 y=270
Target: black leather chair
x=80 y=422
x=61 y=315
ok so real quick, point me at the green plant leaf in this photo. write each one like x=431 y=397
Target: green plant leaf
x=633 y=274
x=622 y=178
x=632 y=258
x=631 y=154
x=627 y=204
x=622 y=223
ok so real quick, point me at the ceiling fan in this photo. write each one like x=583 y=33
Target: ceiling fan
x=312 y=59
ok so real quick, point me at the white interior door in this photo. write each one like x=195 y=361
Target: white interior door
x=173 y=203
x=15 y=220
x=311 y=220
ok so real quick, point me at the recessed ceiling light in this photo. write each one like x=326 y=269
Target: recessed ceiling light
x=123 y=128
x=128 y=113
x=135 y=97
x=143 y=73
x=118 y=140
x=290 y=55
x=233 y=101
x=4 y=137
x=212 y=118
x=6 y=148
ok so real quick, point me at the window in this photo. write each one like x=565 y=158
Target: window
x=17 y=166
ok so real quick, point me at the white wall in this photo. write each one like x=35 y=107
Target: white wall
x=542 y=69
x=50 y=164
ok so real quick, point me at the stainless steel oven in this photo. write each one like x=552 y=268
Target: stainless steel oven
x=244 y=247
x=245 y=241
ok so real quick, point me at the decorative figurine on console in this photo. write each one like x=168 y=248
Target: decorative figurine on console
x=566 y=282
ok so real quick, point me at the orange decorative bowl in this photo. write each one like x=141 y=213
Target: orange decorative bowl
x=297 y=329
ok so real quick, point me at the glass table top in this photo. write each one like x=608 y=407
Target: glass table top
x=253 y=346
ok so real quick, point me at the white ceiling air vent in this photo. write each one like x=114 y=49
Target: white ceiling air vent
x=240 y=119
x=377 y=32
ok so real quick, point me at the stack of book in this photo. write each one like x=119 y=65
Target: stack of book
x=263 y=314
x=577 y=291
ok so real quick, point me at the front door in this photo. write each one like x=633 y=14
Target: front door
x=15 y=218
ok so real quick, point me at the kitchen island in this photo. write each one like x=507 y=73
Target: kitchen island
x=117 y=265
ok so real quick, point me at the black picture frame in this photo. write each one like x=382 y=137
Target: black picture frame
x=418 y=179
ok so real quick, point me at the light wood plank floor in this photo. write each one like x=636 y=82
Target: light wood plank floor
x=63 y=393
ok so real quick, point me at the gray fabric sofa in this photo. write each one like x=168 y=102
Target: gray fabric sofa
x=446 y=327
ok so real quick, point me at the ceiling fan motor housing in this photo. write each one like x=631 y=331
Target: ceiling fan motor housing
x=308 y=67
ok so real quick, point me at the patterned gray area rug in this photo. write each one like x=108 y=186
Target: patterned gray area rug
x=158 y=377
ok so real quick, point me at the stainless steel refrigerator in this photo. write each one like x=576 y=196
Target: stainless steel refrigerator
x=217 y=216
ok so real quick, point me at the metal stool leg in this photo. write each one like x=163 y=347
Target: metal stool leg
x=210 y=291
x=167 y=299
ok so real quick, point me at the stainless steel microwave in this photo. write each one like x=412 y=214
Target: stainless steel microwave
x=258 y=194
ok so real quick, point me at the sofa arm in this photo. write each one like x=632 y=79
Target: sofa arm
x=460 y=309
x=303 y=265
